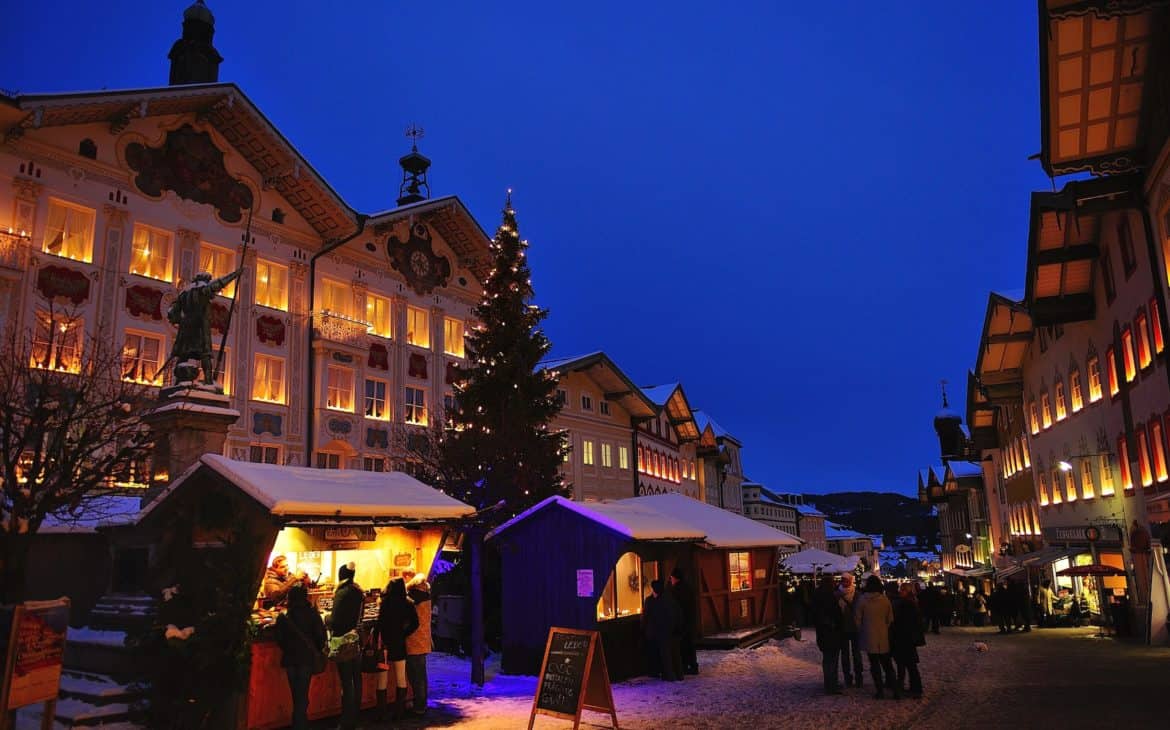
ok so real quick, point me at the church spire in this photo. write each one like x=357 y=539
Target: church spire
x=194 y=59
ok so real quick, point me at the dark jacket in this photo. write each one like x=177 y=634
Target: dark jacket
x=828 y=618
x=347 y=608
x=906 y=632
x=660 y=617
x=295 y=650
x=686 y=605
x=397 y=619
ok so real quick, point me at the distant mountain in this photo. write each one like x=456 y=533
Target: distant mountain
x=886 y=513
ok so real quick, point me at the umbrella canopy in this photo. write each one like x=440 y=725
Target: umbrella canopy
x=1093 y=569
x=811 y=560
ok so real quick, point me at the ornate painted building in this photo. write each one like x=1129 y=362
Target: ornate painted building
x=346 y=328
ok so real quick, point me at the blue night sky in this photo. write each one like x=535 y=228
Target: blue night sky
x=795 y=212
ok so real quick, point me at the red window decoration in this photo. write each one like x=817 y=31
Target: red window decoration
x=379 y=356
x=1158 y=446
x=270 y=329
x=1123 y=456
x=1156 y=326
x=1127 y=353
x=1111 y=363
x=1145 y=472
x=417 y=367
x=60 y=282
x=1145 y=356
x=144 y=302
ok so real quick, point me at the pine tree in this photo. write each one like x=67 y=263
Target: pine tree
x=503 y=447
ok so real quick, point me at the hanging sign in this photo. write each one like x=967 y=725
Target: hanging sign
x=573 y=677
x=36 y=648
x=363 y=533
x=584 y=584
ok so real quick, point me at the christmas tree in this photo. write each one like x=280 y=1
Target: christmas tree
x=501 y=446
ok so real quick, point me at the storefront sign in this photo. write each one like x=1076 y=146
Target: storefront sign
x=584 y=584
x=1103 y=535
x=962 y=549
x=365 y=534
x=402 y=560
x=36 y=646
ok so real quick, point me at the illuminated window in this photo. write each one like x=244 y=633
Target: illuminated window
x=1033 y=418
x=418 y=327
x=1087 y=478
x=1061 y=411
x=374 y=463
x=1074 y=384
x=1107 y=476
x=378 y=315
x=1123 y=463
x=1026 y=452
x=587 y=453
x=376 y=404
x=453 y=337
x=416 y=406
x=57 y=343
x=693 y=469
x=1111 y=363
x=1158 y=446
x=150 y=253
x=1127 y=353
x=264 y=454
x=1145 y=355
x=626 y=588
x=69 y=231
x=1094 y=380
x=1057 y=497
x=328 y=460
x=142 y=358
x=607 y=455
x=339 y=389
x=623 y=457
x=1042 y=487
x=268 y=378
x=1144 y=466
x=271 y=285
x=1045 y=410
x=740 y=571
x=224 y=376
x=642 y=459
x=337 y=298
x=1070 y=486
x=1156 y=326
x=218 y=262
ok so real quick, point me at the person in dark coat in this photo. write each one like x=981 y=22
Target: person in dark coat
x=347 y=613
x=830 y=623
x=905 y=637
x=1021 y=605
x=397 y=619
x=300 y=634
x=660 y=620
x=686 y=601
x=1001 y=608
x=930 y=601
x=847 y=595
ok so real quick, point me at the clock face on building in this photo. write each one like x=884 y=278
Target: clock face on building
x=416 y=259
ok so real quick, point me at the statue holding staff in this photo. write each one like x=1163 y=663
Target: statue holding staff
x=191 y=313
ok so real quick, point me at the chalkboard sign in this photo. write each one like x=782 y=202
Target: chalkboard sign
x=573 y=676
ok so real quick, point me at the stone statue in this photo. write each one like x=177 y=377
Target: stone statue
x=191 y=313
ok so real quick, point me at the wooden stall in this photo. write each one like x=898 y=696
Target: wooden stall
x=318 y=519
x=590 y=565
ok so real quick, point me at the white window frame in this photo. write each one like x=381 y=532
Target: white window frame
x=337 y=298
x=415 y=406
x=413 y=337
x=151 y=370
x=453 y=332
x=264 y=393
x=369 y=400
x=380 y=325
x=218 y=261
x=265 y=449
x=157 y=244
x=85 y=234
x=268 y=275
x=339 y=388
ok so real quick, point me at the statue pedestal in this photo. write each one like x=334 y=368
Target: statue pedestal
x=187 y=423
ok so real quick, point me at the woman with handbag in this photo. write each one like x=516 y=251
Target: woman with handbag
x=300 y=633
x=397 y=619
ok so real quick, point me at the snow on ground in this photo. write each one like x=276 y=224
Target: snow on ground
x=86 y=635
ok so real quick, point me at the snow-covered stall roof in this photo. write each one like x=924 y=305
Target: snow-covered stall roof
x=633 y=521
x=297 y=491
x=810 y=560
x=721 y=528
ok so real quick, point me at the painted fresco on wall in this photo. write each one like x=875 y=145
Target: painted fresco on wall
x=144 y=302
x=189 y=163
x=60 y=282
x=415 y=258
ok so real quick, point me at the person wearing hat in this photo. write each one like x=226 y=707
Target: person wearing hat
x=686 y=601
x=347 y=613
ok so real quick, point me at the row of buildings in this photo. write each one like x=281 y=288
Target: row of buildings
x=346 y=327
x=1063 y=460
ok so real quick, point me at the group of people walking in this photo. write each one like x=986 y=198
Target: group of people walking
x=401 y=638
x=883 y=621
x=668 y=625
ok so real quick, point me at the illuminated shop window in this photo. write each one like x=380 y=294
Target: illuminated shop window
x=740 y=571
x=627 y=587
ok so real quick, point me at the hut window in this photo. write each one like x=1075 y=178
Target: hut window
x=628 y=585
x=740 y=571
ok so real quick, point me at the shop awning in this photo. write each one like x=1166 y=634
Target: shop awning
x=1040 y=558
x=1009 y=571
x=812 y=560
x=969 y=572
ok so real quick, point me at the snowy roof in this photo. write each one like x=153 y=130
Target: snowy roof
x=1013 y=295
x=552 y=363
x=297 y=491
x=809 y=559
x=668 y=517
x=107 y=510
x=963 y=469
x=808 y=510
x=659 y=394
x=702 y=420
x=835 y=531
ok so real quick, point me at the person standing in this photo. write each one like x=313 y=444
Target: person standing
x=930 y=603
x=906 y=636
x=300 y=633
x=659 y=622
x=686 y=602
x=418 y=644
x=1001 y=608
x=829 y=620
x=1021 y=607
x=278 y=579
x=1047 y=600
x=347 y=614
x=874 y=616
x=397 y=619
x=979 y=609
x=850 y=649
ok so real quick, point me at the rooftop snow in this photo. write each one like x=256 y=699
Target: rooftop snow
x=834 y=531
x=105 y=510
x=659 y=394
x=553 y=363
x=809 y=559
x=702 y=420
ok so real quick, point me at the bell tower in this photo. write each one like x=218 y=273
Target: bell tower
x=948 y=425
x=414 y=187
x=194 y=59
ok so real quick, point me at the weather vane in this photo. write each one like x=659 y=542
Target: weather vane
x=414 y=133
x=943 y=383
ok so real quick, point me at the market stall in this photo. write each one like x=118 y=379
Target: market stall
x=385 y=523
x=607 y=555
x=811 y=561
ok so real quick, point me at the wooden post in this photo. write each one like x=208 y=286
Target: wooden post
x=475 y=537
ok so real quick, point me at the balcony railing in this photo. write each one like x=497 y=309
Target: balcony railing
x=339 y=328
x=14 y=249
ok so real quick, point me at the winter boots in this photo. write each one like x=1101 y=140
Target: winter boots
x=400 y=704
x=381 y=710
